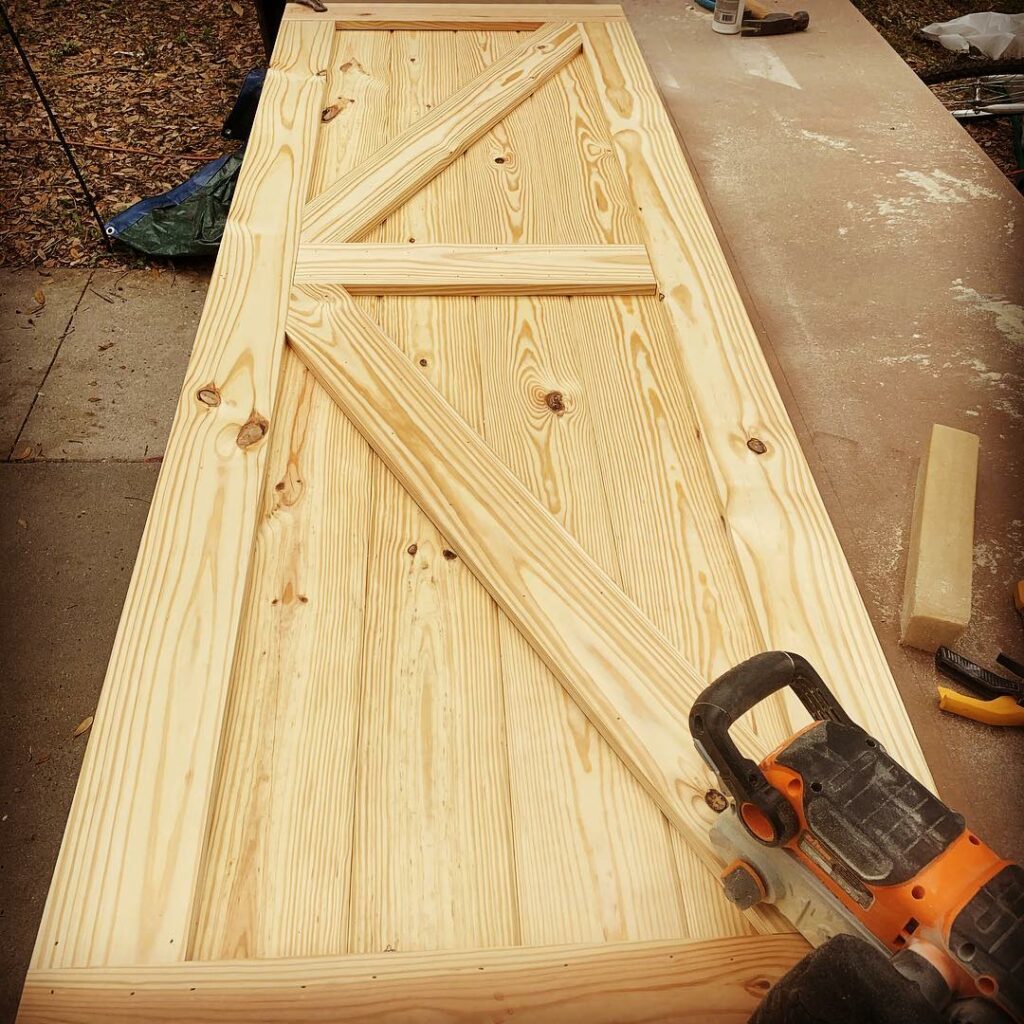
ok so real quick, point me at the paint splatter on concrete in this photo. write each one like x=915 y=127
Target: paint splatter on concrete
x=988 y=556
x=827 y=140
x=940 y=187
x=1008 y=386
x=936 y=188
x=916 y=358
x=883 y=567
x=1008 y=316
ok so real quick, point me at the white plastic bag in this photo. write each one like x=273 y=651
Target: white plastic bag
x=999 y=36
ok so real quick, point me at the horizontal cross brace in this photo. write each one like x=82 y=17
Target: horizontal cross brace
x=479 y=269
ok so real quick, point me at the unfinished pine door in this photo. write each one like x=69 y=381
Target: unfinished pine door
x=477 y=477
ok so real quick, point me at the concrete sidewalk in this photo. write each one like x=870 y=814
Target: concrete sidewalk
x=88 y=386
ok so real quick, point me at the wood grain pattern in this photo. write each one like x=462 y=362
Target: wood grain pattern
x=803 y=592
x=495 y=544
x=593 y=860
x=630 y=682
x=433 y=786
x=277 y=872
x=478 y=269
x=398 y=170
x=432 y=853
x=278 y=866
x=359 y=90
x=940 y=557
x=626 y=983
x=463 y=17
x=591 y=851
x=125 y=880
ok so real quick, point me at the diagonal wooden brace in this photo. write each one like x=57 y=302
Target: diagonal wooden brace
x=628 y=679
x=365 y=196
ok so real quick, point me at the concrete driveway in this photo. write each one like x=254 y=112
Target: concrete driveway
x=89 y=378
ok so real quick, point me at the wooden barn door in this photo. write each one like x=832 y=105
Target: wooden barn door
x=461 y=508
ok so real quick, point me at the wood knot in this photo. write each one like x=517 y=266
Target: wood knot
x=209 y=395
x=331 y=112
x=253 y=431
x=449 y=554
x=757 y=446
x=555 y=401
x=716 y=800
x=411 y=549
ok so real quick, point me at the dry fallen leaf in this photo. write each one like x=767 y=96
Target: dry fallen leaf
x=23 y=524
x=236 y=7
x=23 y=453
x=83 y=726
x=40 y=296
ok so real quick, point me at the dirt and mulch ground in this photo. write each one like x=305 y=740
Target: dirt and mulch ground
x=899 y=22
x=141 y=88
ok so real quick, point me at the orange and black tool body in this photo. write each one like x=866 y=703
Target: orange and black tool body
x=903 y=866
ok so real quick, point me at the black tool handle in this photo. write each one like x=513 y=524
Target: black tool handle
x=955 y=666
x=730 y=697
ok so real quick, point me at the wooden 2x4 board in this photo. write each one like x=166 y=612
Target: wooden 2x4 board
x=477 y=477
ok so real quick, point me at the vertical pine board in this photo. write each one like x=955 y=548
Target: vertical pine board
x=433 y=849
x=278 y=871
x=357 y=103
x=276 y=880
x=801 y=587
x=123 y=888
x=661 y=535
x=676 y=556
x=592 y=856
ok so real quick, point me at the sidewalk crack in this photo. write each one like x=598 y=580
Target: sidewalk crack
x=56 y=352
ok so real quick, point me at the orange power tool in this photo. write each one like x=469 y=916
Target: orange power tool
x=843 y=840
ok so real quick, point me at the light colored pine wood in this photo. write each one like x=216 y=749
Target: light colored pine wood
x=358 y=200
x=478 y=269
x=463 y=17
x=125 y=880
x=803 y=593
x=277 y=873
x=625 y=983
x=399 y=767
x=432 y=857
x=359 y=89
x=593 y=860
x=515 y=185
x=675 y=558
x=940 y=559
x=276 y=880
x=630 y=682
x=592 y=852
x=433 y=786
x=590 y=847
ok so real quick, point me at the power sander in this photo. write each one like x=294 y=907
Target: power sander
x=846 y=843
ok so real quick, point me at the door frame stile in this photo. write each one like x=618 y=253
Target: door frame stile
x=124 y=887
